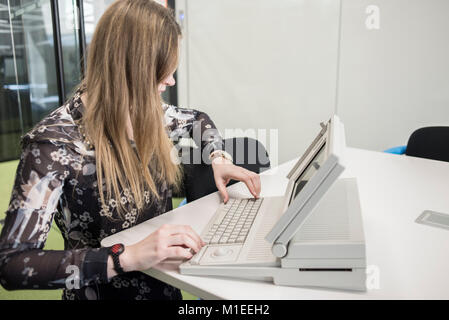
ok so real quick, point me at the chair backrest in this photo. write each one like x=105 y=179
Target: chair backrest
x=429 y=143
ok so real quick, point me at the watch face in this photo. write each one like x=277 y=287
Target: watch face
x=117 y=248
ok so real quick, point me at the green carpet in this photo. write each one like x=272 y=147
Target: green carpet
x=54 y=241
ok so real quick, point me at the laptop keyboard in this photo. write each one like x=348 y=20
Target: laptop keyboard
x=236 y=223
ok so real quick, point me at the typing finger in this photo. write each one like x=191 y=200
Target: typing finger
x=187 y=230
x=250 y=184
x=183 y=240
x=255 y=178
x=223 y=191
x=179 y=252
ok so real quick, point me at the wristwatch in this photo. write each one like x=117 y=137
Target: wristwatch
x=220 y=154
x=115 y=251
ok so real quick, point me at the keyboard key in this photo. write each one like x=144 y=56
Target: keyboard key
x=215 y=240
x=236 y=221
x=240 y=239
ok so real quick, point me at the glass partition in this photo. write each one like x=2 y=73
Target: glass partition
x=70 y=43
x=41 y=51
x=27 y=76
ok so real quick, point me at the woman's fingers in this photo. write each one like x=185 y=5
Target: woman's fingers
x=246 y=178
x=223 y=191
x=251 y=179
x=179 y=252
x=250 y=184
x=255 y=178
x=224 y=172
x=255 y=181
x=176 y=229
x=184 y=240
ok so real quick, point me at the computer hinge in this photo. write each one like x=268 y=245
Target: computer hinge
x=279 y=250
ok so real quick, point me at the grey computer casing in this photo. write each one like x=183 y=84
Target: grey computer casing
x=329 y=248
x=318 y=239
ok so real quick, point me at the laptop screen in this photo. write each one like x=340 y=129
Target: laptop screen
x=308 y=173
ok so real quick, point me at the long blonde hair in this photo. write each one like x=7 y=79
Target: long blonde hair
x=134 y=48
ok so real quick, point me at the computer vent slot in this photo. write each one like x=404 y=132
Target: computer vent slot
x=261 y=248
x=325 y=227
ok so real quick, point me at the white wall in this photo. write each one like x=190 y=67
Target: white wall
x=394 y=79
x=273 y=64
x=262 y=64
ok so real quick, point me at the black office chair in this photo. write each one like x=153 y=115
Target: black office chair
x=430 y=143
x=199 y=178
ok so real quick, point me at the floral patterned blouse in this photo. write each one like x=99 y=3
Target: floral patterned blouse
x=56 y=180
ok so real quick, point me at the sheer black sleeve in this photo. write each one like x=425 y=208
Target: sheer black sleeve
x=197 y=125
x=37 y=190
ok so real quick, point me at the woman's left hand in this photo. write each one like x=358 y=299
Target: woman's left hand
x=225 y=171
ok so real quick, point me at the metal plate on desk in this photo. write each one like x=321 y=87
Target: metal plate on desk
x=434 y=219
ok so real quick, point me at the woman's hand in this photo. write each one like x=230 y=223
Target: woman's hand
x=225 y=170
x=169 y=241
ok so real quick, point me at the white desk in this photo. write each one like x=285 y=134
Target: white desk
x=412 y=259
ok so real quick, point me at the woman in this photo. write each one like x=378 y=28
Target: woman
x=102 y=163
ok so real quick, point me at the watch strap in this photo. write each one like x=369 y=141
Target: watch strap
x=115 y=252
x=222 y=154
